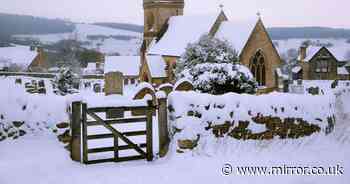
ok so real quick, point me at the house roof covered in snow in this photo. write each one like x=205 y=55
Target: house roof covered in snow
x=156 y=66
x=340 y=53
x=182 y=30
x=128 y=65
x=20 y=55
x=339 y=47
x=343 y=71
x=296 y=69
x=236 y=33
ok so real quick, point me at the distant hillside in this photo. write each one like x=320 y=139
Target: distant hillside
x=280 y=33
x=22 y=24
x=124 y=26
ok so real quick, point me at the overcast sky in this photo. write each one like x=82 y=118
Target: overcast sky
x=333 y=13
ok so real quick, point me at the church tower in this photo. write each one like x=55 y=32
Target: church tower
x=156 y=14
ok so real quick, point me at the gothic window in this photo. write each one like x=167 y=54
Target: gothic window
x=258 y=68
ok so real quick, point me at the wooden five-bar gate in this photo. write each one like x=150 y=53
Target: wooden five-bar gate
x=80 y=135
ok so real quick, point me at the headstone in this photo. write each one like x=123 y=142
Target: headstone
x=114 y=86
x=334 y=84
x=285 y=86
x=114 y=83
x=18 y=81
x=184 y=86
x=314 y=90
x=87 y=85
x=97 y=88
x=300 y=82
x=41 y=84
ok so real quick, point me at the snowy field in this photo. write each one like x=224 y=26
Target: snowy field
x=107 y=46
x=38 y=158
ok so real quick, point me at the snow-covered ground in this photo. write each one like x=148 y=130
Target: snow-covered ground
x=39 y=158
x=107 y=46
x=42 y=160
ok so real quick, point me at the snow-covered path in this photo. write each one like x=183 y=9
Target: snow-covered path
x=42 y=160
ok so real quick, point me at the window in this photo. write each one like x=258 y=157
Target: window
x=322 y=66
x=258 y=68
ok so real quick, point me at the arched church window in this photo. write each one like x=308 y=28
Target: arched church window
x=258 y=68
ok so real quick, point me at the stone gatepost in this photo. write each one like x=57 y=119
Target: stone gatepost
x=114 y=86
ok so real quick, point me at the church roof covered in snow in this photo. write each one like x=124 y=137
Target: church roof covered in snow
x=236 y=33
x=19 y=55
x=182 y=30
x=156 y=66
x=128 y=65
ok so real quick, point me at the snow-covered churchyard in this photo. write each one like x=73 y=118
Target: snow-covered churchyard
x=214 y=123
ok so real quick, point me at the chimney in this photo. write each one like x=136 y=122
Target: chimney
x=302 y=52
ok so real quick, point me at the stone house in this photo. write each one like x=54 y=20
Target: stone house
x=23 y=58
x=321 y=63
x=168 y=32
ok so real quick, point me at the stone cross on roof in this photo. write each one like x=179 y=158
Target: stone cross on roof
x=258 y=14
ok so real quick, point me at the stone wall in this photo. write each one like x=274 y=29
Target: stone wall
x=195 y=116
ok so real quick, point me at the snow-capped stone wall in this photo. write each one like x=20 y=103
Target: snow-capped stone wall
x=194 y=116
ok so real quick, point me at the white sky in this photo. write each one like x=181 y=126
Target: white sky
x=333 y=13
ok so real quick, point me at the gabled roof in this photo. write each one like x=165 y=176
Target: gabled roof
x=157 y=66
x=311 y=51
x=20 y=55
x=340 y=49
x=182 y=30
x=236 y=33
x=128 y=65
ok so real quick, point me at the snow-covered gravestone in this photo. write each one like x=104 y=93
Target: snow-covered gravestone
x=183 y=85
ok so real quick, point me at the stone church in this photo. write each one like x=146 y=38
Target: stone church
x=167 y=32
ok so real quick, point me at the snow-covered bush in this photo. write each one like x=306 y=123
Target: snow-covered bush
x=213 y=67
x=66 y=82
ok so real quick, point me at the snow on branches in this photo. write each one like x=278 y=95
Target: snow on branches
x=213 y=67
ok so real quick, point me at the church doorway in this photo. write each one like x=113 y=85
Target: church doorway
x=258 y=68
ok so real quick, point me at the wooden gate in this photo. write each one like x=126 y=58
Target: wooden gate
x=116 y=134
x=80 y=122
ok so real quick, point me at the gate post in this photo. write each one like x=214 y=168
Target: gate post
x=163 y=127
x=76 y=132
x=149 y=135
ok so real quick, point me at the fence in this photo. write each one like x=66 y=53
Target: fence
x=80 y=135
